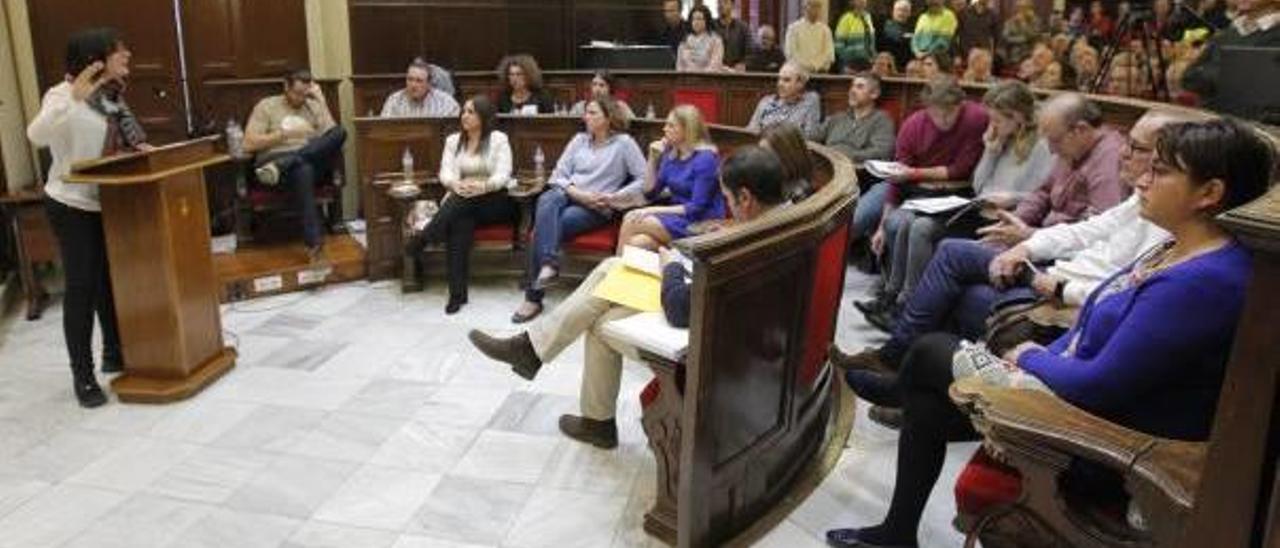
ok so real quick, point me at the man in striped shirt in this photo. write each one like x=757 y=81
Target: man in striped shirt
x=419 y=98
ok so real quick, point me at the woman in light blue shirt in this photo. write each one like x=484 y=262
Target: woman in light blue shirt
x=600 y=173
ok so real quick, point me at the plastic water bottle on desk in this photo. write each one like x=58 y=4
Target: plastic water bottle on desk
x=539 y=164
x=235 y=139
x=406 y=164
x=650 y=113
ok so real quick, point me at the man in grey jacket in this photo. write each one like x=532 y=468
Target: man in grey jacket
x=863 y=132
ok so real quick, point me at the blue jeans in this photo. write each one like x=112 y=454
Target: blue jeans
x=556 y=220
x=954 y=292
x=866 y=215
x=301 y=170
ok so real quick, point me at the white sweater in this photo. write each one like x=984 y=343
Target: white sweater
x=74 y=132
x=1090 y=250
x=497 y=159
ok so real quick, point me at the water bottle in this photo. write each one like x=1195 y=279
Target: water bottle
x=539 y=163
x=235 y=139
x=406 y=163
x=650 y=113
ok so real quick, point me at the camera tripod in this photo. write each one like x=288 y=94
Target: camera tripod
x=1140 y=23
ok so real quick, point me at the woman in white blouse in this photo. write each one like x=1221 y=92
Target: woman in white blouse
x=702 y=49
x=475 y=167
x=82 y=118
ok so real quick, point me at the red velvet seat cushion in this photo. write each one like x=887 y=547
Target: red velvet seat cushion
x=495 y=233
x=260 y=196
x=986 y=483
x=600 y=240
x=824 y=299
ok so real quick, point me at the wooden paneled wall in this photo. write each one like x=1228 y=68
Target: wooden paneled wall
x=155 y=89
x=475 y=34
x=224 y=39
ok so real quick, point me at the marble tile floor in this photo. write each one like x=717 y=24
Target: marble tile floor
x=361 y=417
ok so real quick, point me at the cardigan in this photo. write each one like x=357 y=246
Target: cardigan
x=74 y=132
x=1151 y=356
x=497 y=160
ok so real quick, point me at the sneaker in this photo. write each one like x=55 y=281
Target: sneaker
x=602 y=434
x=517 y=351
x=89 y=394
x=268 y=174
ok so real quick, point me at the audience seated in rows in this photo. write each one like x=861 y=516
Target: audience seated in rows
x=792 y=104
x=603 y=84
x=809 y=43
x=1257 y=24
x=930 y=65
x=863 y=132
x=884 y=65
x=965 y=279
x=977 y=69
x=419 y=97
x=702 y=49
x=521 y=87
x=1015 y=162
x=684 y=165
x=599 y=174
x=751 y=184
x=475 y=170
x=855 y=38
x=735 y=34
x=789 y=145
x=296 y=143
x=766 y=56
x=940 y=144
x=1133 y=357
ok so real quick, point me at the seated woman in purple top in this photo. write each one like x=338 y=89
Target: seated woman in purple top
x=685 y=164
x=1150 y=347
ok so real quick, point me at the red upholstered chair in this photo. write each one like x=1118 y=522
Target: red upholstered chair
x=707 y=101
x=264 y=200
x=601 y=240
x=500 y=234
x=984 y=485
x=893 y=107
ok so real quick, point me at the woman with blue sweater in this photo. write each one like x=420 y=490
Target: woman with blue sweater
x=685 y=165
x=1134 y=357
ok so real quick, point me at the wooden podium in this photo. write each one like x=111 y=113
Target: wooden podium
x=156 y=220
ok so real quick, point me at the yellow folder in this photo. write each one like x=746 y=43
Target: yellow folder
x=631 y=288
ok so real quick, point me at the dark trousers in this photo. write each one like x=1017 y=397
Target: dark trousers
x=454 y=225
x=83 y=248
x=302 y=169
x=930 y=421
x=953 y=293
x=556 y=220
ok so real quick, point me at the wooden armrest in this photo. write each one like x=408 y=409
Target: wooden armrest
x=1040 y=420
x=24 y=196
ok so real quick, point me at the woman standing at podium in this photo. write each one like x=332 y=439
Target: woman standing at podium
x=83 y=118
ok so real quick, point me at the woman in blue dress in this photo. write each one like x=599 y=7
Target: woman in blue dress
x=685 y=165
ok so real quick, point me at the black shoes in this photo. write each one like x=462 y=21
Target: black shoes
x=860 y=538
x=516 y=351
x=112 y=364
x=89 y=394
x=602 y=434
x=455 y=304
x=875 y=387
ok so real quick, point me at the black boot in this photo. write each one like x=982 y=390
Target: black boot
x=112 y=362
x=87 y=390
x=517 y=351
x=602 y=434
x=455 y=304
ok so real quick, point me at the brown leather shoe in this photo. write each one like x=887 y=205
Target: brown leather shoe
x=888 y=417
x=517 y=351
x=602 y=434
x=867 y=359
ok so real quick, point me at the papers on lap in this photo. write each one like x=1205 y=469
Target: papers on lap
x=650 y=332
x=934 y=206
x=635 y=283
x=883 y=169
